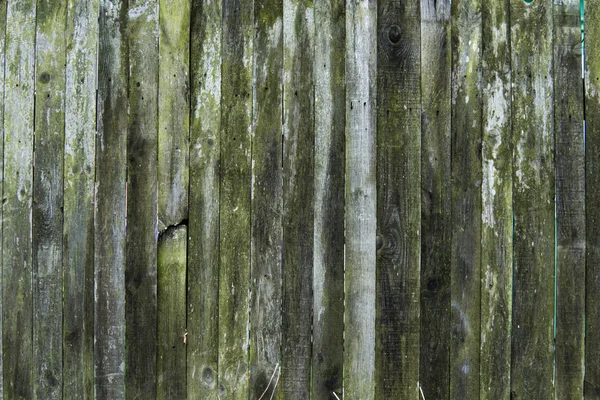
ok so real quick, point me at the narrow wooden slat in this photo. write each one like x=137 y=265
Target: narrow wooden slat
x=203 y=250
x=110 y=213
x=79 y=167
x=3 y=6
x=171 y=360
x=496 y=230
x=235 y=203
x=570 y=201
x=173 y=112
x=17 y=294
x=359 y=283
x=267 y=200
x=533 y=200
x=436 y=228
x=48 y=200
x=466 y=199
x=329 y=164
x=298 y=223
x=142 y=197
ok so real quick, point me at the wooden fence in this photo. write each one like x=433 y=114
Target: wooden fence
x=294 y=199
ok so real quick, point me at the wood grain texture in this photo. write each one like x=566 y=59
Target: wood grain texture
x=142 y=198
x=466 y=199
x=298 y=217
x=235 y=202
x=110 y=195
x=173 y=112
x=360 y=274
x=79 y=168
x=17 y=296
x=3 y=6
x=48 y=200
x=329 y=174
x=267 y=200
x=496 y=230
x=570 y=201
x=171 y=353
x=436 y=201
x=203 y=247
x=533 y=200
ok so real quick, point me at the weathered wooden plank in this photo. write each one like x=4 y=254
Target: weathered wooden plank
x=173 y=112
x=570 y=201
x=329 y=171
x=47 y=224
x=436 y=228
x=267 y=200
x=466 y=199
x=171 y=332
x=17 y=293
x=496 y=229
x=298 y=217
x=235 y=203
x=142 y=197
x=533 y=200
x=79 y=168
x=3 y=6
x=110 y=213
x=203 y=249
x=359 y=283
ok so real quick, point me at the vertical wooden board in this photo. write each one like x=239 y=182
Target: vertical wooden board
x=398 y=198
x=298 y=172
x=171 y=353
x=78 y=227
x=110 y=213
x=267 y=200
x=3 y=5
x=360 y=257
x=173 y=112
x=570 y=201
x=203 y=248
x=142 y=197
x=533 y=200
x=436 y=227
x=329 y=171
x=466 y=199
x=19 y=100
x=235 y=203
x=592 y=198
x=496 y=229
x=48 y=200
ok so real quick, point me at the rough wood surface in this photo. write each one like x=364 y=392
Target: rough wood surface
x=142 y=197
x=17 y=293
x=570 y=201
x=329 y=202
x=203 y=240
x=359 y=283
x=3 y=6
x=533 y=200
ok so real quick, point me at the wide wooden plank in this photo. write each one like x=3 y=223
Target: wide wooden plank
x=48 y=200
x=142 y=197
x=329 y=201
x=203 y=248
x=533 y=200
x=570 y=201
x=17 y=296
x=359 y=283
x=79 y=168
x=171 y=332
x=110 y=213
x=235 y=203
x=496 y=229
x=298 y=172
x=173 y=112
x=267 y=200
x=436 y=228
x=3 y=6
x=466 y=199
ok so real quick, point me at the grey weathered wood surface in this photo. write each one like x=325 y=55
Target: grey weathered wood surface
x=3 y=6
